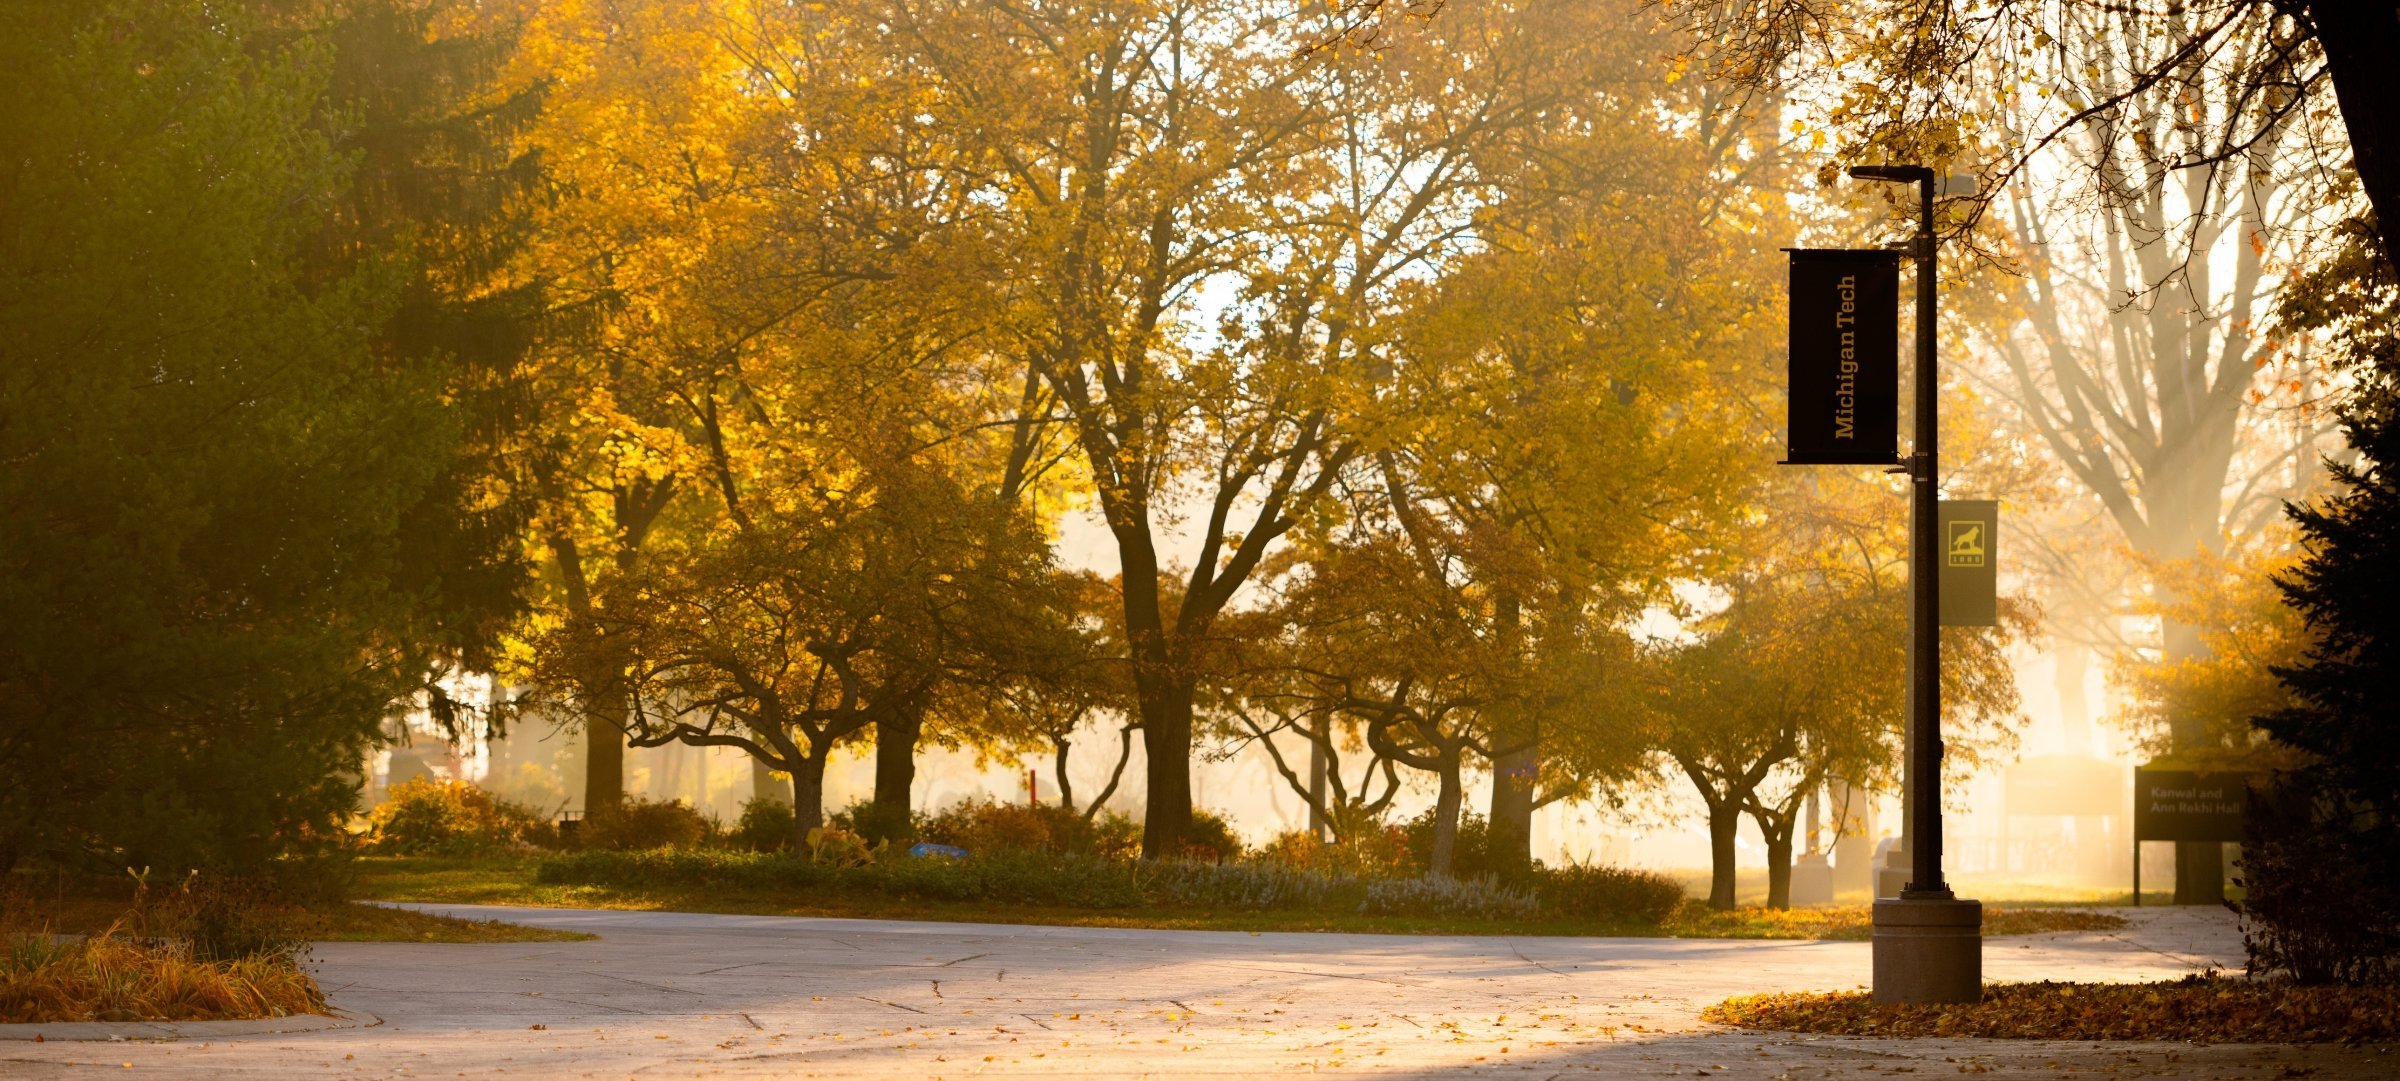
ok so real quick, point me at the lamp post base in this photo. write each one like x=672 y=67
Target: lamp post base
x=1928 y=950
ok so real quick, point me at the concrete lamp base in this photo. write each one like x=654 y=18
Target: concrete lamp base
x=1928 y=951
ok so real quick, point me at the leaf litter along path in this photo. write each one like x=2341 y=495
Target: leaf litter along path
x=665 y=995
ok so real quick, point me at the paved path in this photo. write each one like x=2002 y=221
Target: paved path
x=676 y=995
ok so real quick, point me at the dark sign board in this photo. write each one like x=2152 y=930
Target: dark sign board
x=1970 y=575
x=1845 y=357
x=2181 y=805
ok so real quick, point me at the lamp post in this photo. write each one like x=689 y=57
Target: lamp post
x=1928 y=943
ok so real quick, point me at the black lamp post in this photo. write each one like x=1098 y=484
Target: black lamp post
x=1928 y=943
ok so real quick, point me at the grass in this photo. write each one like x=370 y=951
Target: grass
x=2195 y=1009
x=512 y=882
x=109 y=977
x=91 y=909
x=84 y=949
x=2014 y=890
x=1855 y=923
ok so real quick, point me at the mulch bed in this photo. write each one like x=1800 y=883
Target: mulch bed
x=2195 y=1009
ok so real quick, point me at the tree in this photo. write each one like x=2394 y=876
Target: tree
x=811 y=621
x=1568 y=423
x=2139 y=360
x=213 y=453
x=1065 y=665
x=2210 y=697
x=441 y=174
x=1939 y=81
x=1799 y=677
x=2339 y=827
x=1141 y=153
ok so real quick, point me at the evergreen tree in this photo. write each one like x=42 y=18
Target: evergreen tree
x=2344 y=715
x=225 y=541
x=2331 y=827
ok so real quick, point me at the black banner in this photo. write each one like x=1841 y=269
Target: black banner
x=1845 y=357
x=1970 y=573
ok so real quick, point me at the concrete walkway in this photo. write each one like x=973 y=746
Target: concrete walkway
x=679 y=995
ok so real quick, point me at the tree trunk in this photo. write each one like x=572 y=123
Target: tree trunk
x=1514 y=776
x=2199 y=873
x=2199 y=865
x=2359 y=40
x=1779 y=869
x=808 y=798
x=1445 y=818
x=1167 y=765
x=1724 y=823
x=1066 y=788
x=896 y=736
x=604 y=751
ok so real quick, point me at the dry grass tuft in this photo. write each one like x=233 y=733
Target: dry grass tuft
x=110 y=977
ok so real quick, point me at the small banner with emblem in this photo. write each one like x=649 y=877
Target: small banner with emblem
x=1970 y=573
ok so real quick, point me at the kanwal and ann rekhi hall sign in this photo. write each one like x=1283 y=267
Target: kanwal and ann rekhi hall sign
x=1845 y=357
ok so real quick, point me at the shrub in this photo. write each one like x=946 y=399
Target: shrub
x=1606 y=893
x=1008 y=877
x=2305 y=844
x=877 y=824
x=1115 y=836
x=643 y=823
x=984 y=826
x=719 y=868
x=1295 y=848
x=766 y=825
x=1211 y=838
x=422 y=816
x=1248 y=886
x=1484 y=897
x=217 y=918
x=1028 y=878
x=1370 y=848
x=1470 y=852
x=838 y=847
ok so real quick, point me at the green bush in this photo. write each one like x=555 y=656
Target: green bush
x=1606 y=893
x=642 y=823
x=1027 y=878
x=1484 y=897
x=1074 y=880
x=1470 y=853
x=766 y=825
x=1371 y=849
x=658 y=867
x=2305 y=842
x=422 y=817
x=1011 y=878
x=880 y=825
x=1249 y=886
x=222 y=918
x=1211 y=838
x=1115 y=836
x=983 y=826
